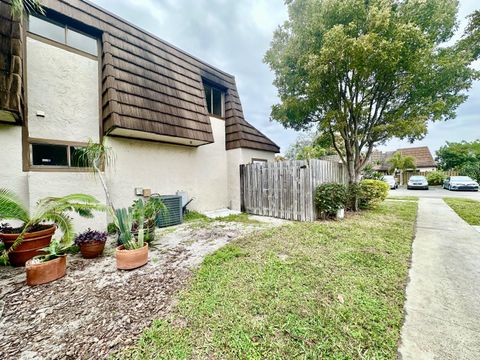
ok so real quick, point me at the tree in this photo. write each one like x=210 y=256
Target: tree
x=401 y=163
x=368 y=71
x=454 y=156
x=309 y=146
x=19 y=7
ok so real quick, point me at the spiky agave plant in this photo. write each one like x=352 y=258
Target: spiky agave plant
x=19 y=7
x=49 y=209
x=124 y=220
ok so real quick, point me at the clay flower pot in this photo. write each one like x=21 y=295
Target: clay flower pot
x=131 y=259
x=46 y=272
x=92 y=249
x=30 y=245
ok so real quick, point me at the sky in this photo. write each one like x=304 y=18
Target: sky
x=234 y=36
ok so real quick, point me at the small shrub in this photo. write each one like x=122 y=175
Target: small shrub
x=435 y=178
x=89 y=236
x=112 y=228
x=353 y=194
x=372 y=193
x=330 y=197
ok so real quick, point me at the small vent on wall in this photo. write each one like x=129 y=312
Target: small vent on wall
x=173 y=215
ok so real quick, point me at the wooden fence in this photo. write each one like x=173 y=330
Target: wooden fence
x=408 y=174
x=285 y=189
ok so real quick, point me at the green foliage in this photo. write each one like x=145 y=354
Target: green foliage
x=353 y=195
x=148 y=209
x=112 y=228
x=124 y=223
x=330 y=197
x=436 y=178
x=56 y=249
x=49 y=209
x=309 y=146
x=369 y=173
x=471 y=39
x=192 y=215
x=372 y=193
x=368 y=71
x=19 y=7
x=454 y=156
x=471 y=169
x=402 y=163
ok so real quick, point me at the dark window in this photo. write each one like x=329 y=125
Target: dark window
x=49 y=155
x=215 y=100
x=58 y=155
x=63 y=35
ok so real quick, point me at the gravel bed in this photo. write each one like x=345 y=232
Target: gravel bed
x=95 y=310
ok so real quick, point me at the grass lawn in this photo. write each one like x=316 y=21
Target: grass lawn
x=324 y=290
x=412 y=198
x=467 y=209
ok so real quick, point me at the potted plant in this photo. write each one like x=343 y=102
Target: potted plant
x=147 y=210
x=49 y=266
x=91 y=243
x=133 y=251
x=27 y=240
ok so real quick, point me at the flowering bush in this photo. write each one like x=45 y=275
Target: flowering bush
x=90 y=236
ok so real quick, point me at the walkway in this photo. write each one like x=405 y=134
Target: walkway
x=443 y=307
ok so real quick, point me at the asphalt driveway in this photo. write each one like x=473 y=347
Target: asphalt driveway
x=435 y=193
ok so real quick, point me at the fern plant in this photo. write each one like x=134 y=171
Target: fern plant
x=49 y=209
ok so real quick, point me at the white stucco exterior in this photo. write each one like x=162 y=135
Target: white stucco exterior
x=65 y=87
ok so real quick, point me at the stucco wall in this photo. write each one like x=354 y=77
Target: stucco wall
x=11 y=175
x=43 y=184
x=64 y=85
x=237 y=157
x=164 y=168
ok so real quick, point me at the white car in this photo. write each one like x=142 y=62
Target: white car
x=417 y=182
x=460 y=183
x=391 y=181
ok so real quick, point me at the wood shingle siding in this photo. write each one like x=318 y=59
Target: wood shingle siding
x=11 y=66
x=151 y=86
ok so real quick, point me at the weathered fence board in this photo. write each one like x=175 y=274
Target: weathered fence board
x=286 y=189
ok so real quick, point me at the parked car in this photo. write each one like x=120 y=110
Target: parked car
x=391 y=181
x=417 y=182
x=460 y=183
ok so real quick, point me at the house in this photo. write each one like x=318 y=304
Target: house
x=174 y=122
x=379 y=160
x=423 y=159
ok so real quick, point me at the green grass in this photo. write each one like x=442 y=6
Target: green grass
x=410 y=198
x=467 y=209
x=330 y=290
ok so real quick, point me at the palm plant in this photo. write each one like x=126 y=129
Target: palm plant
x=99 y=156
x=54 y=250
x=401 y=163
x=50 y=209
x=19 y=7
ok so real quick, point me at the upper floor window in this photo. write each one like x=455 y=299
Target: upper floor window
x=63 y=34
x=215 y=100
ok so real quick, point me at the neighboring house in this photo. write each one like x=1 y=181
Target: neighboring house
x=175 y=123
x=379 y=160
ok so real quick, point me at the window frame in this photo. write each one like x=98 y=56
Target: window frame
x=64 y=44
x=222 y=99
x=55 y=168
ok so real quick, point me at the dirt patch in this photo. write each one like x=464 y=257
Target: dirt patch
x=95 y=309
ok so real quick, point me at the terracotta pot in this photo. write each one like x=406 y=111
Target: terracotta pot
x=47 y=271
x=131 y=259
x=30 y=245
x=92 y=249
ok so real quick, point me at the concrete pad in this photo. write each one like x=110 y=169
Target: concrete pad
x=220 y=213
x=477 y=228
x=442 y=309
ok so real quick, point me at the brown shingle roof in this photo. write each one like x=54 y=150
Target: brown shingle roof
x=150 y=85
x=422 y=155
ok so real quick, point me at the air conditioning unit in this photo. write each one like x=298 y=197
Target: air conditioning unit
x=173 y=215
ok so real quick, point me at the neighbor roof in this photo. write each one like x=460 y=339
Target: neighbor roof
x=422 y=155
x=152 y=86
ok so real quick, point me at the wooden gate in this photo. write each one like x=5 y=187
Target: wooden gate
x=286 y=189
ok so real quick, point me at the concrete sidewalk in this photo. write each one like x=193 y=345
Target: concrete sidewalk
x=443 y=295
